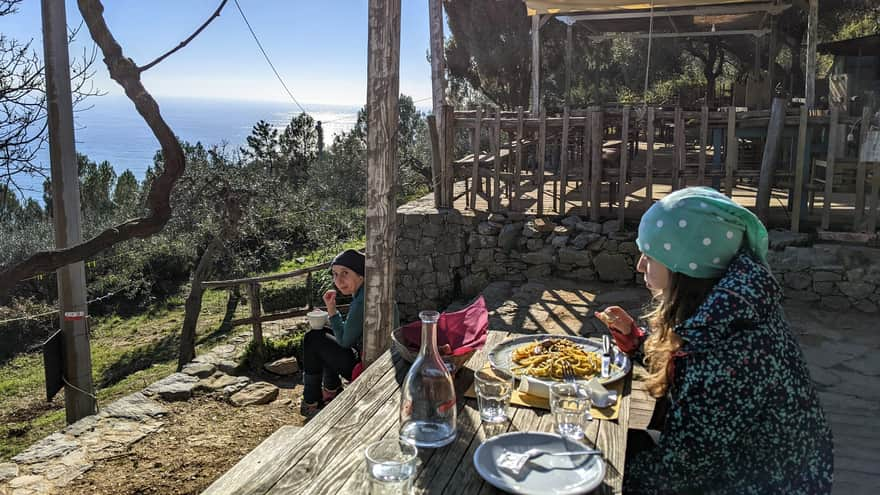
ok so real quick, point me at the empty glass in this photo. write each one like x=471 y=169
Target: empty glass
x=494 y=388
x=391 y=467
x=570 y=406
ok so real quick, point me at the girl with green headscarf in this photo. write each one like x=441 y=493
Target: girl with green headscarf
x=743 y=414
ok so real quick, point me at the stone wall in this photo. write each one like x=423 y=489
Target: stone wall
x=446 y=254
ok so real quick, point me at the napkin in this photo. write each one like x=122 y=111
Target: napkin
x=458 y=332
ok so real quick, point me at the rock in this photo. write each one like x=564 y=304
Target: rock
x=535 y=244
x=84 y=425
x=227 y=366
x=581 y=274
x=575 y=257
x=543 y=257
x=826 y=277
x=781 y=239
x=825 y=288
x=581 y=240
x=508 y=236
x=255 y=394
x=798 y=280
x=597 y=244
x=8 y=470
x=628 y=247
x=561 y=230
x=613 y=267
x=802 y=295
x=856 y=290
x=855 y=275
x=873 y=274
x=488 y=228
x=174 y=387
x=30 y=484
x=235 y=387
x=836 y=303
x=543 y=225
x=593 y=227
x=483 y=241
x=284 y=366
x=55 y=445
x=497 y=217
x=530 y=230
x=538 y=271
x=420 y=264
x=570 y=221
x=610 y=226
x=623 y=236
x=136 y=407
x=559 y=241
x=224 y=351
x=866 y=306
x=201 y=370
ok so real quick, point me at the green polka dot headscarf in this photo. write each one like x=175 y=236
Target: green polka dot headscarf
x=697 y=231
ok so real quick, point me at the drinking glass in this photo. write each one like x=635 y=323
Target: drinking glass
x=391 y=467
x=494 y=388
x=570 y=406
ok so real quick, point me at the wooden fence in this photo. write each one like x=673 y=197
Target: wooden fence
x=625 y=158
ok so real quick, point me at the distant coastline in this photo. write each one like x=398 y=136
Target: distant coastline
x=110 y=129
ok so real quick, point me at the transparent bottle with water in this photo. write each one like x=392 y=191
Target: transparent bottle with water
x=427 y=403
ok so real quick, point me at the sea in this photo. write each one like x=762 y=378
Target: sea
x=109 y=128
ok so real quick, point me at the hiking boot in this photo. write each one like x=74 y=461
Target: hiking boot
x=308 y=410
x=328 y=395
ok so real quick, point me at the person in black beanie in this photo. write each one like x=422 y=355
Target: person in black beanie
x=334 y=352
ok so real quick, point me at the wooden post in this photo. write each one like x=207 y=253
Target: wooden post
x=833 y=129
x=517 y=170
x=448 y=154
x=259 y=353
x=542 y=152
x=704 y=138
x=598 y=134
x=383 y=82
x=861 y=169
x=436 y=160
x=678 y=149
x=79 y=392
x=800 y=165
x=475 y=169
x=649 y=158
x=812 y=39
x=536 y=64
x=587 y=154
x=567 y=67
x=768 y=160
x=309 y=304
x=624 y=164
x=438 y=90
x=875 y=194
x=771 y=59
x=563 y=162
x=731 y=151
x=496 y=163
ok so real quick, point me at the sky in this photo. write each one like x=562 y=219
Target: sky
x=318 y=46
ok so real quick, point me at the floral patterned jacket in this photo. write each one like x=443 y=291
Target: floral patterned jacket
x=744 y=417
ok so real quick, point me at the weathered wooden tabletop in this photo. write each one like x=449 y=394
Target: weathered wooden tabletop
x=326 y=455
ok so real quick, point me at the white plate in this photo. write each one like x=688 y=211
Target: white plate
x=546 y=475
x=499 y=357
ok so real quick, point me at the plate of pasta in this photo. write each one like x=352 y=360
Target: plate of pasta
x=540 y=357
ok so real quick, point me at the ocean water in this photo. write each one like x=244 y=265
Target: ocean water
x=112 y=130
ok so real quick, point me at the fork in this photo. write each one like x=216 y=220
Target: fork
x=568 y=375
x=514 y=462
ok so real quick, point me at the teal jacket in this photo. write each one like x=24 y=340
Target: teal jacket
x=349 y=332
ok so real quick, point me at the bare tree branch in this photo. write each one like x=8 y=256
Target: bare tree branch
x=186 y=41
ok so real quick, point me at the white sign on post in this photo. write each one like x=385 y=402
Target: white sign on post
x=871 y=148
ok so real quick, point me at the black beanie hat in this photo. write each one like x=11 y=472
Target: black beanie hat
x=350 y=259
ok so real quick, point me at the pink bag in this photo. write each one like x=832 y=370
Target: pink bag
x=458 y=333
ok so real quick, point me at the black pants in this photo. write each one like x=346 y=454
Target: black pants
x=324 y=360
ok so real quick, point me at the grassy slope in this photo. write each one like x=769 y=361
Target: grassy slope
x=127 y=355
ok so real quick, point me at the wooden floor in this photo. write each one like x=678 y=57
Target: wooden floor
x=637 y=202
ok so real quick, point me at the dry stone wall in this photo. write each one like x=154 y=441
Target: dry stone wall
x=446 y=254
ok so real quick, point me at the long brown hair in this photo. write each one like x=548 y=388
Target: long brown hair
x=673 y=306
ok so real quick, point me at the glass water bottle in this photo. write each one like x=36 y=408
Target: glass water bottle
x=427 y=403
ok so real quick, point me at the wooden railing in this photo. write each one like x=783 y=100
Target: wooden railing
x=257 y=318
x=514 y=157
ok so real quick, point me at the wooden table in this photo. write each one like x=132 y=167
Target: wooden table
x=326 y=455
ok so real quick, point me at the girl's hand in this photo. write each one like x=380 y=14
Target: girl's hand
x=616 y=319
x=330 y=301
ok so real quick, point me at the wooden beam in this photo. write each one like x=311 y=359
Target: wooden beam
x=436 y=179
x=704 y=139
x=542 y=155
x=79 y=391
x=383 y=91
x=799 y=171
x=768 y=159
x=624 y=164
x=259 y=354
x=598 y=135
x=517 y=168
x=708 y=10
x=649 y=157
x=771 y=58
x=475 y=169
x=833 y=130
x=585 y=162
x=438 y=90
x=861 y=169
x=536 y=64
x=563 y=162
x=568 y=65
x=731 y=151
x=812 y=39
x=678 y=149
x=496 y=163
x=875 y=199
x=448 y=154
x=689 y=34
